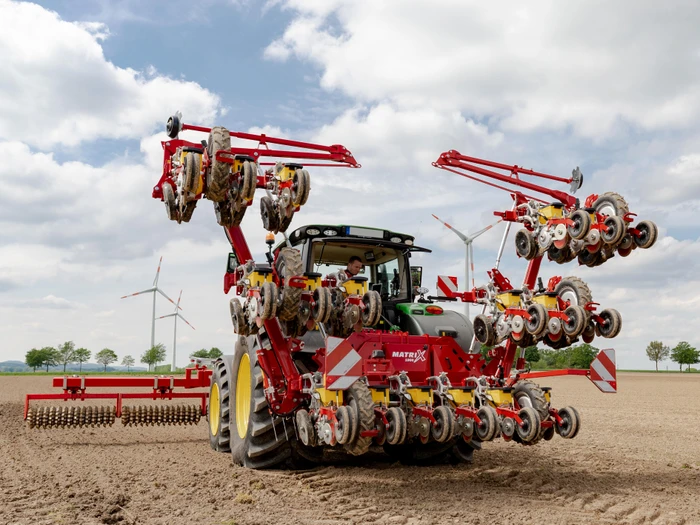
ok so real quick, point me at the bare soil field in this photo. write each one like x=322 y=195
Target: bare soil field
x=636 y=460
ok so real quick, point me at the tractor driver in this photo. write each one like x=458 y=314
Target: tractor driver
x=353 y=268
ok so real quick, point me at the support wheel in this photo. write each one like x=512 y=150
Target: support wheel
x=486 y=430
x=359 y=399
x=614 y=230
x=372 y=310
x=169 y=200
x=240 y=326
x=537 y=323
x=444 y=427
x=323 y=305
x=269 y=215
x=288 y=265
x=648 y=233
x=612 y=323
x=581 y=226
x=525 y=244
x=396 y=431
x=248 y=180
x=301 y=185
x=483 y=330
x=192 y=169
x=218 y=174
x=268 y=299
x=529 y=430
x=343 y=425
x=577 y=321
x=571 y=421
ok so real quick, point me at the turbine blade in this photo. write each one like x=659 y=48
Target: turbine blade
x=484 y=230
x=457 y=232
x=168 y=298
x=139 y=293
x=155 y=281
x=164 y=316
x=188 y=324
x=178 y=299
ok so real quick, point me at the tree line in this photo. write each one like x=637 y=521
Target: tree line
x=682 y=354
x=578 y=356
x=67 y=353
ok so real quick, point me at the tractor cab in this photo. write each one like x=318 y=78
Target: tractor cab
x=386 y=269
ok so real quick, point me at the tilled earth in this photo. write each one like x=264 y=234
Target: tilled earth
x=636 y=460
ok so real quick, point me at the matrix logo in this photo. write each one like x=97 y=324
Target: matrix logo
x=411 y=357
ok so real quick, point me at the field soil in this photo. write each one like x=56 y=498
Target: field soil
x=636 y=460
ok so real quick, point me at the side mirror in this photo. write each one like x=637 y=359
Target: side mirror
x=232 y=263
x=416 y=276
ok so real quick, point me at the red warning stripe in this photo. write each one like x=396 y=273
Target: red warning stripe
x=603 y=371
x=447 y=286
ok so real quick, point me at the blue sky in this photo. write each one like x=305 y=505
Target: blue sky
x=88 y=86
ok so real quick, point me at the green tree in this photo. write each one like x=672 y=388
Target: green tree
x=49 y=357
x=34 y=358
x=212 y=353
x=657 y=351
x=684 y=354
x=66 y=353
x=582 y=355
x=128 y=362
x=106 y=357
x=154 y=355
x=532 y=354
x=215 y=353
x=203 y=353
x=82 y=355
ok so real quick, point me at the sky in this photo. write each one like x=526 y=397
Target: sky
x=87 y=86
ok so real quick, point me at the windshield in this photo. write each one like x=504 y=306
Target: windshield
x=384 y=267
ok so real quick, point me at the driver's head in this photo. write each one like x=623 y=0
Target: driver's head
x=354 y=265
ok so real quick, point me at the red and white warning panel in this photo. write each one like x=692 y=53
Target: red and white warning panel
x=603 y=372
x=446 y=286
x=343 y=364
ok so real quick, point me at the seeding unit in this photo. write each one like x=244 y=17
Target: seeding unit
x=346 y=362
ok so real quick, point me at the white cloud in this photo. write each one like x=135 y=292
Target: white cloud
x=543 y=66
x=57 y=87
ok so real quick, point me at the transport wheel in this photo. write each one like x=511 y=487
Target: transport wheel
x=537 y=323
x=240 y=326
x=529 y=394
x=269 y=215
x=288 y=265
x=254 y=443
x=169 y=200
x=530 y=428
x=219 y=407
x=218 y=174
x=615 y=230
x=612 y=323
x=372 y=308
x=323 y=305
x=248 y=181
x=192 y=168
x=581 y=226
x=483 y=330
x=611 y=204
x=172 y=128
x=300 y=187
x=575 y=291
x=486 y=430
x=648 y=233
x=577 y=321
x=568 y=429
x=305 y=428
x=525 y=244
x=396 y=431
x=560 y=255
x=268 y=299
x=359 y=399
x=444 y=427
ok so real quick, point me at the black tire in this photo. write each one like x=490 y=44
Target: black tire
x=525 y=244
x=581 y=226
x=569 y=427
x=614 y=230
x=249 y=180
x=169 y=200
x=192 y=169
x=218 y=174
x=359 y=399
x=255 y=445
x=268 y=300
x=372 y=308
x=323 y=306
x=300 y=190
x=577 y=321
x=172 y=127
x=537 y=323
x=269 y=215
x=288 y=265
x=224 y=215
x=343 y=426
x=487 y=429
x=612 y=323
x=529 y=394
x=396 y=431
x=574 y=290
x=589 y=332
x=463 y=451
x=483 y=330
x=285 y=222
x=530 y=429
x=240 y=326
x=560 y=255
x=648 y=233
x=219 y=393
x=589 y=259
x=444 y=428
x=611 y=203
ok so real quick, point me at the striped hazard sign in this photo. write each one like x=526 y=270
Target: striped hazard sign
x=446 y=286
x=343 y=364
x=603 y=372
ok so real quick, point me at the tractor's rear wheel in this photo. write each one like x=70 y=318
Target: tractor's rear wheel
x=219 y=407
x=254 y=443
x=218 y=174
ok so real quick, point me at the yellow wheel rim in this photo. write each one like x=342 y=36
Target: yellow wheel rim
x=243 y=396
x=214 y=410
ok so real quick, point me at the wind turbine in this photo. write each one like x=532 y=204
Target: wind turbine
x=176 y=314
x=469 y=257
x=153 y=290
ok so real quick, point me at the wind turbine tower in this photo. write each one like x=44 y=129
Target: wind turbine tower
x=176 y=314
